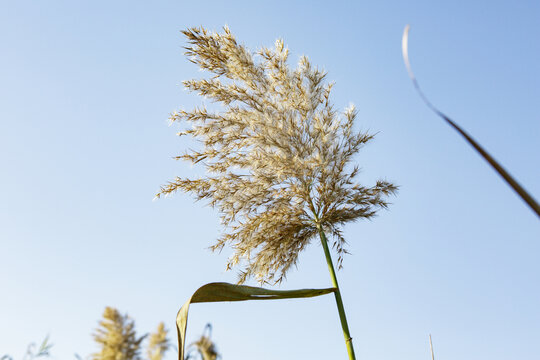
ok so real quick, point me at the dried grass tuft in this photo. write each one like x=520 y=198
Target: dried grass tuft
x=278 y=156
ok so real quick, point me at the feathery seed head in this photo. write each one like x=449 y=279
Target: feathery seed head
x=278 y=156
x=158 y=343
x=116 y=337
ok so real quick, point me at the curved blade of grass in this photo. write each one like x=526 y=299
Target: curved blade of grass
x=218 y=292
x=505 y=175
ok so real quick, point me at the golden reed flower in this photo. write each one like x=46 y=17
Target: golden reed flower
x=204 y=347
x=158 y=343
x=116 y=337
x=278 y=156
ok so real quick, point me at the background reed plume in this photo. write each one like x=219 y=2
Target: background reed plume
x=117 y=339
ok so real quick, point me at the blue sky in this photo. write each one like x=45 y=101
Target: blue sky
x=85 y=93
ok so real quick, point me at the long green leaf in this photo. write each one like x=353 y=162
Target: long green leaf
x=218 y=292
x=498 y=167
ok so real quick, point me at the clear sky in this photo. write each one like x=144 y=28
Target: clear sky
x=85 y=91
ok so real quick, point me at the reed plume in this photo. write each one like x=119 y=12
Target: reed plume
x=278 y=156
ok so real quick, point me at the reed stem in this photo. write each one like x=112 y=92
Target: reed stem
x=337 y=293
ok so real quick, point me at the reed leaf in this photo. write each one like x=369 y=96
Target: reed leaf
x=525 y=196
x=219 y=292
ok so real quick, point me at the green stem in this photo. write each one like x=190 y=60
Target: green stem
x=339 y=302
